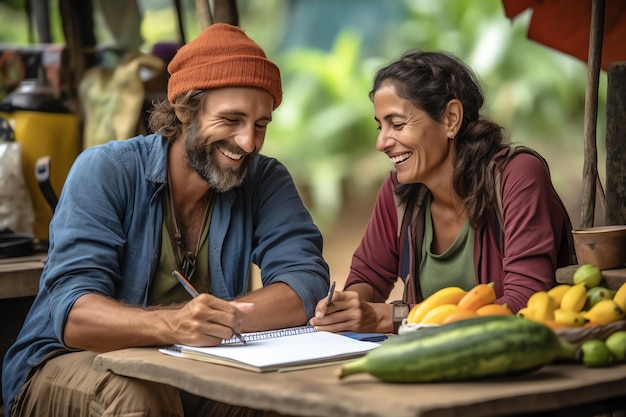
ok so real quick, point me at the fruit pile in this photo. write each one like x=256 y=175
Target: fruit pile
x=583 y=304
x=596 y=353
x=452 y=304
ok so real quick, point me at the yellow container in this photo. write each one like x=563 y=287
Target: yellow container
x=45 y=134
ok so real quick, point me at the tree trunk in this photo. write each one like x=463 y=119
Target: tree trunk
x=616 y=144
x=590 y=166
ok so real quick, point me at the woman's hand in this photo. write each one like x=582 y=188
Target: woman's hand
x=348 y=312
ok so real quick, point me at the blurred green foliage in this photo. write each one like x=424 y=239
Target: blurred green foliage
x=326 y=122
x=324 y=131
x=325 y=134
x=13 y=4
x=14 y=24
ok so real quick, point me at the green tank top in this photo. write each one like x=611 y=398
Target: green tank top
x=165 y=289
x=454 y=267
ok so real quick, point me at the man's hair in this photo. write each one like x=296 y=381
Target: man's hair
x=163 y=119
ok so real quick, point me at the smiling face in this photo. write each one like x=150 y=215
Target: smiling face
x=420 y=147
x=222 y=141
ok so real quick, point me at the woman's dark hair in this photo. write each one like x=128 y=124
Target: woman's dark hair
x=430 y=80
x=163 y=119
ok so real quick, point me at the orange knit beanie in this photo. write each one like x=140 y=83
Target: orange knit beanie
x=222 y=56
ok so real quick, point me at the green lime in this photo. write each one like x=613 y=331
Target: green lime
x=616 y=343
x=588 y=274
x=596 y=354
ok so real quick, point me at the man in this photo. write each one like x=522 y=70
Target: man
x=195 y=197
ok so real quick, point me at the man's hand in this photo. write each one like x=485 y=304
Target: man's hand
x=100 y=324
x=206 y=320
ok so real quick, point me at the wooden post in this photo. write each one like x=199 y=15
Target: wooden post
x=616 y=144
x=204 y=13
x=590 y=165
x=226 y=12
x=77 y=18
x=181 y=25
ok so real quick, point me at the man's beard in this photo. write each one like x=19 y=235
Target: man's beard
x=204 y=161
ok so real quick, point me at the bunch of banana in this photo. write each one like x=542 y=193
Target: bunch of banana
x=452 y=304
x=583 y=304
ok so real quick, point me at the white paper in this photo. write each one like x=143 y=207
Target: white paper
x=274 y=354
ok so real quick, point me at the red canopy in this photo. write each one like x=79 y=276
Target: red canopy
x=564 y=25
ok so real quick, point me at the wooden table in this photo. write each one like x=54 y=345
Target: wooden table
x=19 y=276
x=19 y=283
x=318 y=392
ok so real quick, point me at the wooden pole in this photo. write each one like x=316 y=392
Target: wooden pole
x=616 y=144
x=226 y=12
x=77 y=18
x=41 y=13
x=204 y=13
x=590 y=165
x=179 y=19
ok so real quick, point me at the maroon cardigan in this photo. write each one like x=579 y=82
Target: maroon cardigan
x=536 y=237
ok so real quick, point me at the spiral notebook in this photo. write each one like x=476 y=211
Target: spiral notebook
x=270 y=334
x=278 y=350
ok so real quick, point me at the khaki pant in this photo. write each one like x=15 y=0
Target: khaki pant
x=68 y=386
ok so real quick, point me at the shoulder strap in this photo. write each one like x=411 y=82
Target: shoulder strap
x=407 y=215
x=498 y=164
x=496 y=167
x=404 y=222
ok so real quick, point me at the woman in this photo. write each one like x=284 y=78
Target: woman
x=438 y=221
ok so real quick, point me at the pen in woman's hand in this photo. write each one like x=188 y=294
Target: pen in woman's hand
x=194 y=293
x=331 y=291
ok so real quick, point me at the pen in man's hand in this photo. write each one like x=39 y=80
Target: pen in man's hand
x=331 y=291
x=194 y=293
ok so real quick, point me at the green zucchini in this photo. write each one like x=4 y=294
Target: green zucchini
x=468 y=349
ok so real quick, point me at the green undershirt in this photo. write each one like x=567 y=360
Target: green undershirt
x=454 y=267
x=165 y=289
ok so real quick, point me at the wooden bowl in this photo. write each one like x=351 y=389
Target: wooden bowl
x=577 y=336
x=602 y=246
x=412 y=327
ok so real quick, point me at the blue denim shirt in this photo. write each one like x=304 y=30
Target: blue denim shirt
x=106 y=234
